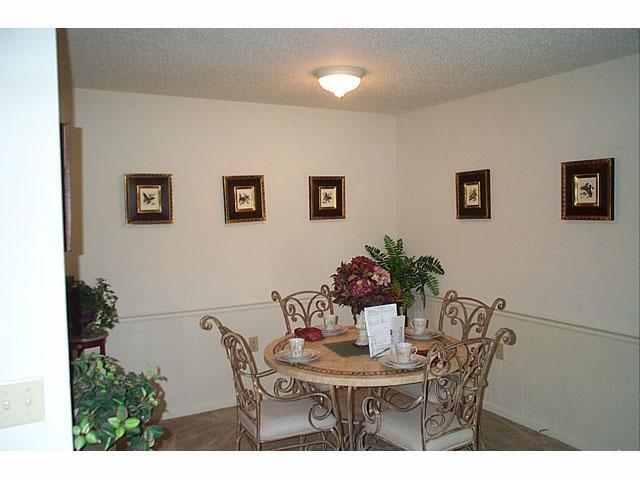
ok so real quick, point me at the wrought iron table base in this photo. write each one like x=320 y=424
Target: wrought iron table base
x=348 y=437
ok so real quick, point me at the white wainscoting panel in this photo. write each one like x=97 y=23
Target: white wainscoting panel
x=198 y=376
x=579 y=385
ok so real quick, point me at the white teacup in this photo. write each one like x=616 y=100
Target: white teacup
x=296 y=346
x=404 y=351
x=419 y=325
x=330 y=321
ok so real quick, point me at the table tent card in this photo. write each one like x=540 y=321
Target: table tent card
x=384 y=328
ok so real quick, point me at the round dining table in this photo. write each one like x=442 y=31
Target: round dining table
x=350 y=369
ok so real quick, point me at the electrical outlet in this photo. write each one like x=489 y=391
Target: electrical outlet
x=500 y=351
x=21 y=402
x=253 y=344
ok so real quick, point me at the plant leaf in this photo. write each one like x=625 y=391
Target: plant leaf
x=92 y=438
x=79 y=443
x=408 y=274
x=84 y=424
x=114 y=422
x=130 y=423
x=121 y=412
x=108 y=430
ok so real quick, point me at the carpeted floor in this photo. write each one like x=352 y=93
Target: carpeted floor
x=216 y=430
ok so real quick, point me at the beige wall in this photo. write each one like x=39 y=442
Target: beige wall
x=163 y=273
x=571 y=286
x=199 y=141
x=583 y=272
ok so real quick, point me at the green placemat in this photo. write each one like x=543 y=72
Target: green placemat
x=347 y=349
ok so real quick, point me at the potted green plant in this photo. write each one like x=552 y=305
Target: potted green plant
x=112 y=406
x=91 y=310
x=409 y=275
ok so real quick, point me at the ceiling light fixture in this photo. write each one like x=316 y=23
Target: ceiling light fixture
x=339 y=80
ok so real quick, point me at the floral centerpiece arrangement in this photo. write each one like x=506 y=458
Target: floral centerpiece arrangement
x=362 y=283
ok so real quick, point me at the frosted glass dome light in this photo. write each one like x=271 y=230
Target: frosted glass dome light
x=339 y=80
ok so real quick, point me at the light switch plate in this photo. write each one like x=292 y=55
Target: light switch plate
x=500 y=351
x=253 y=344
x=21 y=402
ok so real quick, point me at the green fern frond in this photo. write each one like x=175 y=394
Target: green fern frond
x=378 y=256
x=408 y=300
x=395 y=249
x=432 y=284
x=408 y=274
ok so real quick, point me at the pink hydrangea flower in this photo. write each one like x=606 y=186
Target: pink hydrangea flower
x=362 y=283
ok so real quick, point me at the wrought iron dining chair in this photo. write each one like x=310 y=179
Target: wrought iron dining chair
x=304 y=305
x=287 y=413
x=471 y=314
x=455 y=379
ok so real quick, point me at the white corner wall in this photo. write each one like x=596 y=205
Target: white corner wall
x=166 y=276
x=571 y=286
x=33 y=326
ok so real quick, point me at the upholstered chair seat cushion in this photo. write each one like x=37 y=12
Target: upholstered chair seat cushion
x=413 y=390
x=321 y=387
x=285 y=419
x=403 y=429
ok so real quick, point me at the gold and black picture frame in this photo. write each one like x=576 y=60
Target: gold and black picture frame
x=326 y=198
x=587 y=189
x=244 y=198
x=473 y=194
x=148 y=198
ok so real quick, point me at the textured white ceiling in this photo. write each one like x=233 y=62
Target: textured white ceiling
x=407 y=68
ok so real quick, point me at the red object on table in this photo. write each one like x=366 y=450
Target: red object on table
x=310 y=334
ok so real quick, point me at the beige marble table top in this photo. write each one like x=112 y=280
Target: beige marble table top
x=355 y=371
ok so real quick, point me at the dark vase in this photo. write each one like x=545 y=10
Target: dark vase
x=82 y=320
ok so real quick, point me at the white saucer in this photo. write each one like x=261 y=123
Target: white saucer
x=332 y=333
x=427 y=335
x=308 y=355
x=417 y=361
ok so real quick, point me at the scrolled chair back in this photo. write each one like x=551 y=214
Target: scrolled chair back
x=245 y=375
x=251 y=395
x=243 y=367
x=455 y=381
x=473 y=315
x=206 y=323
x=304 y=305
x=453 y=387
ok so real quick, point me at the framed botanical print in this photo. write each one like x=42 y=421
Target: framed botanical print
x=473 y=194
x=148 y=198
x=243 y=198
x=326 y=198
x=587 y=189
